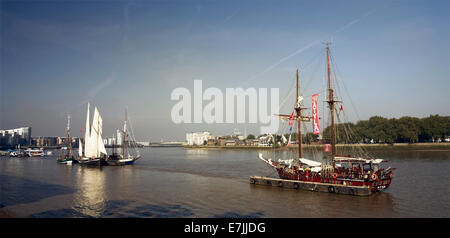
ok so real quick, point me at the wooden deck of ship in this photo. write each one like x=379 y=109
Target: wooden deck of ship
x=312 y=186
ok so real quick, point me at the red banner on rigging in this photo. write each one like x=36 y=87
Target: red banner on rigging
x=316 y=126
x=291 y=118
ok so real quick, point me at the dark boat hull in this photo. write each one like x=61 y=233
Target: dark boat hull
x=93 y=162
x=374 y=185
x=67 y=161
x=119 y=162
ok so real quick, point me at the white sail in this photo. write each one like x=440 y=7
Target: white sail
x=87 y=137
x=80 y=148
x=96 y=134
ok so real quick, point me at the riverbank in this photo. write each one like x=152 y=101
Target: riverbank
x=406 y=146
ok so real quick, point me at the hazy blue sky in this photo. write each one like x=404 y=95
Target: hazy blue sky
x=392 y=57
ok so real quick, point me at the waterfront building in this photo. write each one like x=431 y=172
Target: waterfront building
x=111 y=141
x=222 y=140
x=143 y=143
x=198 y=138
x=61 y=141
x=211 y=142
x=13 y=137
x=119 y=137
x=46 y=141
x=251 y=142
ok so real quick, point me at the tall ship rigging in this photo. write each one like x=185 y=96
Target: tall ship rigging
x=347 y=174
x=130 y=152
x=92 y=151
x=67 y=156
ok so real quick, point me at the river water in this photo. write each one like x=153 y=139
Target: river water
x=178 y=182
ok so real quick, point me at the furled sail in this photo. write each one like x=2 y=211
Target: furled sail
x=311 y=163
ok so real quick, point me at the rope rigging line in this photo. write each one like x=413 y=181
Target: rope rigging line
x=351 y=136
x=345 y=88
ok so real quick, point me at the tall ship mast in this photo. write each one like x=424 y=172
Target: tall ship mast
x=354 y=175
x=128 y=146
x=66 y=156
x=93 y=152
x=331 y=103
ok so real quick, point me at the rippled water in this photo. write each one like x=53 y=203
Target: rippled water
x=174 y=182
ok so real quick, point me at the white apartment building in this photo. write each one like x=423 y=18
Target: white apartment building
x=198 y=138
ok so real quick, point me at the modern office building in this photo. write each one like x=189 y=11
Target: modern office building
x=12 y=137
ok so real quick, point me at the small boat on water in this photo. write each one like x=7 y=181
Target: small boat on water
x=34 y=152
x=128 y=146
x=67 y=156
x=16 y=153
x=13 y=153
x=93 y=152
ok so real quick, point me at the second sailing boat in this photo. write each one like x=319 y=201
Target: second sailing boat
x=125 y=157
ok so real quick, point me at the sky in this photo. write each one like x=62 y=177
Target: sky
x=390 y=58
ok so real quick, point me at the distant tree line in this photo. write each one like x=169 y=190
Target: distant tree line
x=382 y=130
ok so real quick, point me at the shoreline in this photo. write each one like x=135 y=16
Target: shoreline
x=415 y=146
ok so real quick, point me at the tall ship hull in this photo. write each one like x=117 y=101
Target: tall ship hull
x=354 y=175
x=376 y=185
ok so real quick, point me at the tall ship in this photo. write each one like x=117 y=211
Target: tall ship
x=92 y=151
x=129 y=150
x=357 y=174
x=67 y=156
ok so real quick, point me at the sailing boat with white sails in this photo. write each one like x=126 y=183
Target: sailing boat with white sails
x=125 y=158
x=93 y=152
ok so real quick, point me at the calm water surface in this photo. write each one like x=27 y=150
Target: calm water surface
x=174 y=182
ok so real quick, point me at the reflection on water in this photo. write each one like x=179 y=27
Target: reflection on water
x=197 y=154
x=174 y=182
x=90 y=196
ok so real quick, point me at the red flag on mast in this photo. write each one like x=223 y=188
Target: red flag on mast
x=316 y=126
x=291 y=118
